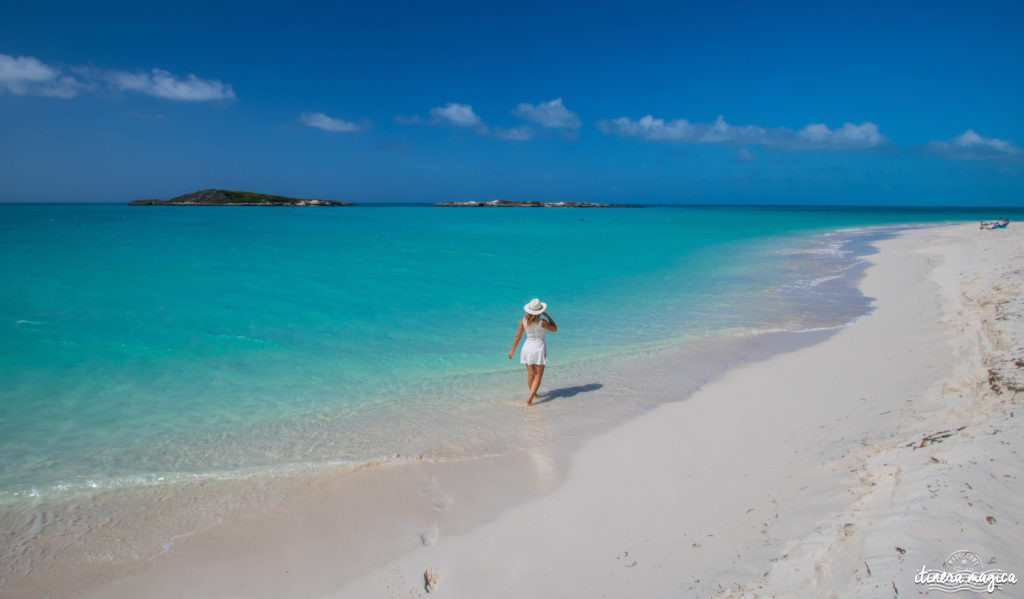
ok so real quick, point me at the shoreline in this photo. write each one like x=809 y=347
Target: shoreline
x=135 y=527
x=820 y=490
x=216 y=512
x=439 y=515
x=484 y=396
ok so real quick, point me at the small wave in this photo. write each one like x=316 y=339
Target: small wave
x=792 y=329
x=90 y=486
x=31 y=323
x=245 y=338
x=174 y=538
x=806 y=283
x=68 y=490
x=830 y=250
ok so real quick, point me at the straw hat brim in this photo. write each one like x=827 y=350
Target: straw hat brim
x=528 y=310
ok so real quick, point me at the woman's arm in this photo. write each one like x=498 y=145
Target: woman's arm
x=515 y=342
x=549 y=325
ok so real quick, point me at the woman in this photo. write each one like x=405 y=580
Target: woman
x=535 y=352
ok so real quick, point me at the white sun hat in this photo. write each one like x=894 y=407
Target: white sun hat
x=535 y=307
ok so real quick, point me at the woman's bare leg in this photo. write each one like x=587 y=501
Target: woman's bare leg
x=531 y=370
x=538 y=373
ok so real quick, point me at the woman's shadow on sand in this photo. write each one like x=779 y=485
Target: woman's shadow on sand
x=566 y=392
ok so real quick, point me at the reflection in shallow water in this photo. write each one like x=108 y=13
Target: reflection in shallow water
x=541 y=449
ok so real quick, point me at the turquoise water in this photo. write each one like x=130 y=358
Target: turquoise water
x=138 y=343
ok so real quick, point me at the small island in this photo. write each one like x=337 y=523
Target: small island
x=533 y=204
x=224 y=197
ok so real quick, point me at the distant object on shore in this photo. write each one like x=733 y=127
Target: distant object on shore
x=224 y=197
x=511 y=204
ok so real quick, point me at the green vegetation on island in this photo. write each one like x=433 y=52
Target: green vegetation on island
x=225 y=197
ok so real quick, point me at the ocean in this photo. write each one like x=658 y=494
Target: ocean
x=145 y=345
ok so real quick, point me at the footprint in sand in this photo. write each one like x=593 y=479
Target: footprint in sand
x=438 y=500
x=428 y=536
x=430 y=580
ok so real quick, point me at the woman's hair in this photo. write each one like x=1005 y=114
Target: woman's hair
x=531 y=319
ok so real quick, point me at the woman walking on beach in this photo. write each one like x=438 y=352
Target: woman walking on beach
x=535 y=353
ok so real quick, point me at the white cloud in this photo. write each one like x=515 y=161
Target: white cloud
x=848 y=137
x=460 y=115
x=551 y=114
x=971 y=146
x=812 y=137
x=27 y=75
x=163 y=84
x=745 y=155
x=322 y=121
x=521 y=133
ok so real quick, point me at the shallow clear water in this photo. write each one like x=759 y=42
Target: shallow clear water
x=144 y=342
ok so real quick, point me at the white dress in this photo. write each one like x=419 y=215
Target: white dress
x=534 y=351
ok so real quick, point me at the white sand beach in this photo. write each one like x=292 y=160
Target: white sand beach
x=835 y=470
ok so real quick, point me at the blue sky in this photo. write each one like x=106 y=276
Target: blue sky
x=746 y=102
